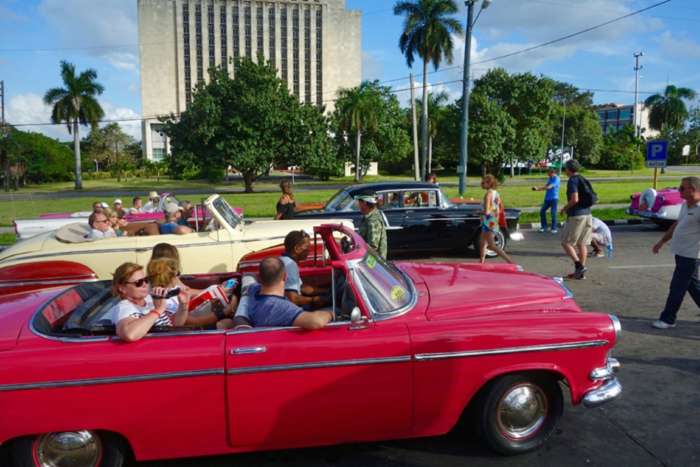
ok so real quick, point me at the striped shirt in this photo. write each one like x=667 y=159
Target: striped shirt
x=128 y=309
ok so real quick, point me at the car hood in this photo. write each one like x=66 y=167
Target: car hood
x=29 y=245
x=16 y=310
x=272 y=229
x=461 y=290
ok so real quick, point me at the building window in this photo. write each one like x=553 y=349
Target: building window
x=210 y=31
x=222 y=30
x=236 y=34
x=158 y=154
x=319 y=57
x=186 y=49
x=307 y=54
x=248 y=30
x=271 y=36
x=295 y=49
x=198 y=40
x=260 y=34
x=283 y=44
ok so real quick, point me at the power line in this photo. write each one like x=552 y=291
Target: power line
x=574 y=34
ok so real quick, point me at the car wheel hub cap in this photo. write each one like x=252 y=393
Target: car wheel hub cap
x=499 y=240
x=68 y=449
x=521 y=411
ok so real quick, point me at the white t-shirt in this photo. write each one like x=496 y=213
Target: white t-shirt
x=126 y=308
x=686 y=238
x=602 y=232
x=94 y=233
x=293 y=281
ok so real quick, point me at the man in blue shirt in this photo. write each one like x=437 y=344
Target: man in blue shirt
x=297 y=246
x=269 y=307
x=551 y=198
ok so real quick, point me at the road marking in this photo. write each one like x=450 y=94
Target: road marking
x=644 y=266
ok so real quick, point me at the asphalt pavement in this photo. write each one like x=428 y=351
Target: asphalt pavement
x=656 y=420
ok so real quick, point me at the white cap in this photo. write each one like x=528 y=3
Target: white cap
x=117 y=201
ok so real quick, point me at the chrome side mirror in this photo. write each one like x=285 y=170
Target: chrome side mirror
x=356 y=316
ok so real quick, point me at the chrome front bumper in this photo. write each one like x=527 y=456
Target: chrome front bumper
x=609 y=390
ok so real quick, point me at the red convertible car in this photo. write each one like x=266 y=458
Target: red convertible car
x=423 y=346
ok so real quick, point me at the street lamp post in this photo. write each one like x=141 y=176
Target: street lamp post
x=464 y=134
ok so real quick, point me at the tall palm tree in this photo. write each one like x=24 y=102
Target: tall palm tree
x=75 y=105
x=435 y=102
x=358 y=115
x=668 y=111
x=427 y=32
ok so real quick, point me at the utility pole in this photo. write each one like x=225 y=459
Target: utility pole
x=3 y=134
x=463 y=136
x=416 y=160
x=635 y=113
x=561 y=147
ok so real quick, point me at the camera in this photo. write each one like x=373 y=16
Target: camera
x=169 y=294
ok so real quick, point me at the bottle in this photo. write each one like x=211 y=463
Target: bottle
x=609 y=251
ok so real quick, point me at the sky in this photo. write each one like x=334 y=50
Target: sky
x=35 y=35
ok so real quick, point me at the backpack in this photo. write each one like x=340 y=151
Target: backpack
x=587 y=197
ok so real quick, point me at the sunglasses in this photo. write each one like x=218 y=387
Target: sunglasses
x=139 y=282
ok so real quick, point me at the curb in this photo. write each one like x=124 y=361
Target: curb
x=537 y=225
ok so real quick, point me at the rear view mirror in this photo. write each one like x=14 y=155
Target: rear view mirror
x=355 y=315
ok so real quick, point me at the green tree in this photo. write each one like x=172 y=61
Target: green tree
x=622 y=150
x=111 y=147
x=581 y=131
x=427 y=33
x=668 y=110
x=357 y=114
x=249 y=122
x=38 y=158
x=529 y=100
x=383 y=134
x=75 y=105
x=436 y=102
x=491 y=134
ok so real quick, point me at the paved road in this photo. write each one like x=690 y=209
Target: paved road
x=655 y=423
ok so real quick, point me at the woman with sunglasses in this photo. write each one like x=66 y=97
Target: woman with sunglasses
x=142 y=307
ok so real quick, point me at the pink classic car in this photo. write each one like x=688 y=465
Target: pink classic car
x=423 y=346
x=661 y=207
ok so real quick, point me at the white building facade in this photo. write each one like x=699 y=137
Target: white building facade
x=313 y=44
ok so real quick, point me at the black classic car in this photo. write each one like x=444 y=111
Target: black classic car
x=418 y=216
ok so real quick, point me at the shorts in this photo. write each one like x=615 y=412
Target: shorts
x=600 y=238
x=489 y=223
x=578 y=230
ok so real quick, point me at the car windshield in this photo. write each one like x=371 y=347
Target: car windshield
x=340 y=201
x=386 y=288
x=225 y=211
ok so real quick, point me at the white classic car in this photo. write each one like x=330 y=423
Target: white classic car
x=218 y=248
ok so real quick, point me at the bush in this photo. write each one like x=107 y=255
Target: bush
x=621 y=157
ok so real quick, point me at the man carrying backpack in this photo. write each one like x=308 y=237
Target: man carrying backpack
x=579 y=223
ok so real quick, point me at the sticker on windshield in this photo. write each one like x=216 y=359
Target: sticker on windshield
x=371 y=261
x=397 y=293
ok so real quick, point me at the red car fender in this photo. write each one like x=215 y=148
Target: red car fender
x=31 y=276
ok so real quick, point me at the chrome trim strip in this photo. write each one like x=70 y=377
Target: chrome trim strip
x=617 y=326
x=509 y=350
x=248 y=350
x=111 y=380
x=560 y=282
x=65 y=281
x=314 y=365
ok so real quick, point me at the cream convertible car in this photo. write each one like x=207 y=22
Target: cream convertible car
x=66 y=256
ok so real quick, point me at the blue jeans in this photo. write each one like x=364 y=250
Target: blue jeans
x=684 y=280
x=549 y=204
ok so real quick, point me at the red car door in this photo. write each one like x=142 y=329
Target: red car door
x=287 y=387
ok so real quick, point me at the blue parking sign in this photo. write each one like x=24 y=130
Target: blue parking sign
x=657 y=153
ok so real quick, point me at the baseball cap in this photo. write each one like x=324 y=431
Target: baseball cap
x=153 y=194
x=367 y=199
x=104 y=205
x=117 y=201
x=172 y=208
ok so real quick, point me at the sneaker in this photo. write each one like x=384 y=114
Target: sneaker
x=659 y=324
x=541 y=229
x=554 y=231
x=597 y=254
x=580 y=273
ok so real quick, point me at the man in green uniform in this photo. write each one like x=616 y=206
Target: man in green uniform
x=372 y=227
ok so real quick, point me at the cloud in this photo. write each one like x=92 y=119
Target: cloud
x=678 y=47
x=30 y=109
x=106 y=28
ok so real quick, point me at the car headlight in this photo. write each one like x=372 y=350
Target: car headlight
x=617 y=326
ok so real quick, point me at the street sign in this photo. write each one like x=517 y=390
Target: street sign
x=657 y=153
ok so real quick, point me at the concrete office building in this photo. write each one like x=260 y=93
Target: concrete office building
x=313 y=44
x=612 y=117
